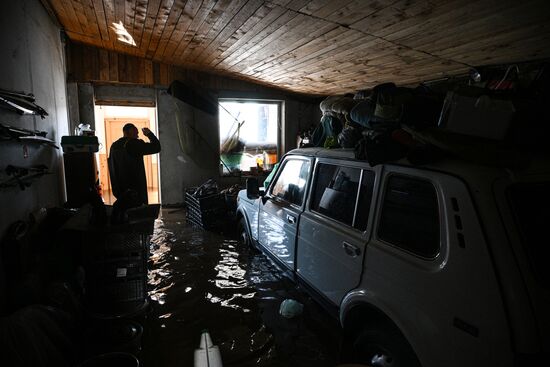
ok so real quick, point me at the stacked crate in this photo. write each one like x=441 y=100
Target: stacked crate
x=116 y=270
x=205 y=211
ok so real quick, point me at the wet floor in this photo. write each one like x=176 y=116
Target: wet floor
x=203 y=280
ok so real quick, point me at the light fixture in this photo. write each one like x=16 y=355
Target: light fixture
x=122 y=33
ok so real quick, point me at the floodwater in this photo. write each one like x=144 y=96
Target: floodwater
x=203 y=280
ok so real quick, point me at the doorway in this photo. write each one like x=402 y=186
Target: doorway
x=109 y=123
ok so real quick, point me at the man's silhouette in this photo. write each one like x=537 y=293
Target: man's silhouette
x=126 y=167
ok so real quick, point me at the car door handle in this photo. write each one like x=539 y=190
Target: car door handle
x=350 y=249
x=290 y=219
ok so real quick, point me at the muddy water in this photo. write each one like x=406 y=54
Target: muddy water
x=202 y=280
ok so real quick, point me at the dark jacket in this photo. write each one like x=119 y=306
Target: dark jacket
x=126 y=167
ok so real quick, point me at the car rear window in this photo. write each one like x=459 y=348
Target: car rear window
x=410 y=216
x=530 y=204
x=335 y=192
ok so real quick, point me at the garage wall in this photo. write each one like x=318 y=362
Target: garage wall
x=32 y=61
x=189 y=139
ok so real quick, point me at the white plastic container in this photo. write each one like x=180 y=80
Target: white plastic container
x=208 y=354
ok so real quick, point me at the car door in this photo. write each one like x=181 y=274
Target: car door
x=281 y=207
x=333 y=229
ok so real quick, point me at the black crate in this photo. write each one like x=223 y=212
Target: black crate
x=205 y=203
x=133 y=290
x=206 y=220
x=117 y=270
x=117 y=298
x=207 y=211
x=99 y=246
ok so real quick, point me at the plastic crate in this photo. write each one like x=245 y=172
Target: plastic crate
x=207 y=219
x=207 y=211
x=133 y=290
x=204 y=203
x=125 y=241
x=115 y=270
x=105 y=245
x=117 y=299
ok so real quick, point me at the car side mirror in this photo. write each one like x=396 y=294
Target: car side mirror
x=253 y=188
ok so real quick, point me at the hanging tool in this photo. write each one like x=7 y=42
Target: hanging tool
x=23 y=176
x=21 y=103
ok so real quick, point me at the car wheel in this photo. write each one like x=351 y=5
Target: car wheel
x=244 y=236
x=382 y=347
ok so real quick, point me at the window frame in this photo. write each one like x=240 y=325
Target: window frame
x=440 y=213
x=280 y=125
x=348 y=164
x=284 y=161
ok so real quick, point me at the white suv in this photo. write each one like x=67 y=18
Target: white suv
x=439 y=265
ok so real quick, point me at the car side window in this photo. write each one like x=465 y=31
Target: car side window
x=365 y=200
x=410 y=216
x=291 y=182
x=335 y=192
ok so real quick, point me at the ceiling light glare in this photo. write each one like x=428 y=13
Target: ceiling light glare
x=122 y=33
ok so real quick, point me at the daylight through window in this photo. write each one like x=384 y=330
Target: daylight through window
x=248 y=135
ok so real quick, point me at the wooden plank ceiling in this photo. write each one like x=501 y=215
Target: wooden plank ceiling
x=318 y=46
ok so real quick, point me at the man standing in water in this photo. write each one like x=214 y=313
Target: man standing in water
x=126 y=167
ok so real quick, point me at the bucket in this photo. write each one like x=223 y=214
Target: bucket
x=269 y=160
x=232 y=161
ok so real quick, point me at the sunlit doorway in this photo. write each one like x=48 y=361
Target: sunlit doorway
x=109 y=121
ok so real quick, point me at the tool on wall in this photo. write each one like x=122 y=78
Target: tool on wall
x=20 y=102
x=25 y=135
x=23 y=176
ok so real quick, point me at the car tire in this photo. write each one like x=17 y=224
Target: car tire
x=244 y=235
x=381 y=346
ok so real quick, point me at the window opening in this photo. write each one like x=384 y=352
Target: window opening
x=249 y=135
x=335 y=192
x=410 y=216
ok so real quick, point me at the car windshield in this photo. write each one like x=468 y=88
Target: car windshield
x=530 y=204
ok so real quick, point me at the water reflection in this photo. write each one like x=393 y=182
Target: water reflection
x=201 y=280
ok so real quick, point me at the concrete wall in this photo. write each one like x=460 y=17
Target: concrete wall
x=32 y=61
x=190 y=141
